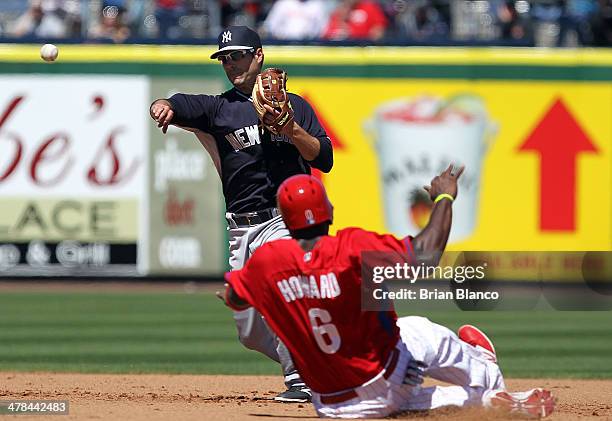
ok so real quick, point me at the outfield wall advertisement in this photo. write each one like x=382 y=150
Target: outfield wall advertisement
x=89 y=187
x=72 y=174
x=538 y=158
x=81 y=161
x=187 y=233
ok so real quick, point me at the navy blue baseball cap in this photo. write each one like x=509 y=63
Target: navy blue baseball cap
x=235 y=38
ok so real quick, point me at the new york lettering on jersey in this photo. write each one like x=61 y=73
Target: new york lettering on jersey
x=249 y=136
x=244 y=137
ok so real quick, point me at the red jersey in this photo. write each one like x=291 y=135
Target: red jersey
x=361 y=20
x=312 y=301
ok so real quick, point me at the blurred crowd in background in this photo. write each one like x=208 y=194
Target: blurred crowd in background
x=565 y=23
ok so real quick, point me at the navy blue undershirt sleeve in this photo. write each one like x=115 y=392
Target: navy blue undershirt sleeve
x=195 y=111
x=325 y=160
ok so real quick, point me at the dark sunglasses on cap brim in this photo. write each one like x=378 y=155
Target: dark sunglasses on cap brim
x=234 y=55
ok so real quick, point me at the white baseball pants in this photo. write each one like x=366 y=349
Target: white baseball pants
x=253 y=331
x=448 y=359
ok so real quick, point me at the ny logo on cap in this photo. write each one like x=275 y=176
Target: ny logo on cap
x=226 y=37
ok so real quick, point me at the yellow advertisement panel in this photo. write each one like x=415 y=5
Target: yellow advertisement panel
x=537 y=154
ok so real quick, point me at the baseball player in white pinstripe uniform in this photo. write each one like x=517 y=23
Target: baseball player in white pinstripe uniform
x=366 y=364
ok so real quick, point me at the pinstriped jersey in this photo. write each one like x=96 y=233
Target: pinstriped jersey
x=312 y=301
x=251 y=166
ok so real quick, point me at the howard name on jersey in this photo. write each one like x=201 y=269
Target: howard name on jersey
x=303 y=286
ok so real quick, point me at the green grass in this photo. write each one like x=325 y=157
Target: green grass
x=195 y=333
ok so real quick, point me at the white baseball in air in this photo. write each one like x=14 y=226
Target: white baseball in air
x=49 y=52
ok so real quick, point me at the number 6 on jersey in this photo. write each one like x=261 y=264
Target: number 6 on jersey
x=332 y=344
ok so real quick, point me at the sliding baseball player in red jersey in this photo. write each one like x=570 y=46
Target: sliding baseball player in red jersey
x=366 y=364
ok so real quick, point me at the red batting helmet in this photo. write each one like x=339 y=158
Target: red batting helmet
x=302 y=202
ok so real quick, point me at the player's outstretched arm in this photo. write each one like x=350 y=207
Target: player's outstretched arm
x=431 y=241
x=189 y=112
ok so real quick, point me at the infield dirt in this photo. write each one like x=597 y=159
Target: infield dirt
x=206 y=397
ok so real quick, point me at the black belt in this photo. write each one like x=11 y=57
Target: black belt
x=249 y=219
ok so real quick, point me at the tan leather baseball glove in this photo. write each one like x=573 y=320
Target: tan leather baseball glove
x=271 y=89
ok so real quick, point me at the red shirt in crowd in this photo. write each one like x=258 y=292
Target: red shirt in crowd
x=365 y=20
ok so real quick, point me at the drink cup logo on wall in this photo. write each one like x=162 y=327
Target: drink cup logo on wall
x=416 y=139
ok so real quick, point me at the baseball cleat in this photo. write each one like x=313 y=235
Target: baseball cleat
x=535 y=403
x=295 y=394
x=476 y=337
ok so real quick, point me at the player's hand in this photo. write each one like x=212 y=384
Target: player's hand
x=229 y=296
x=445 y=182
x=270 y=116
x=415 y=373
x=161 y=112
x=221 y=294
